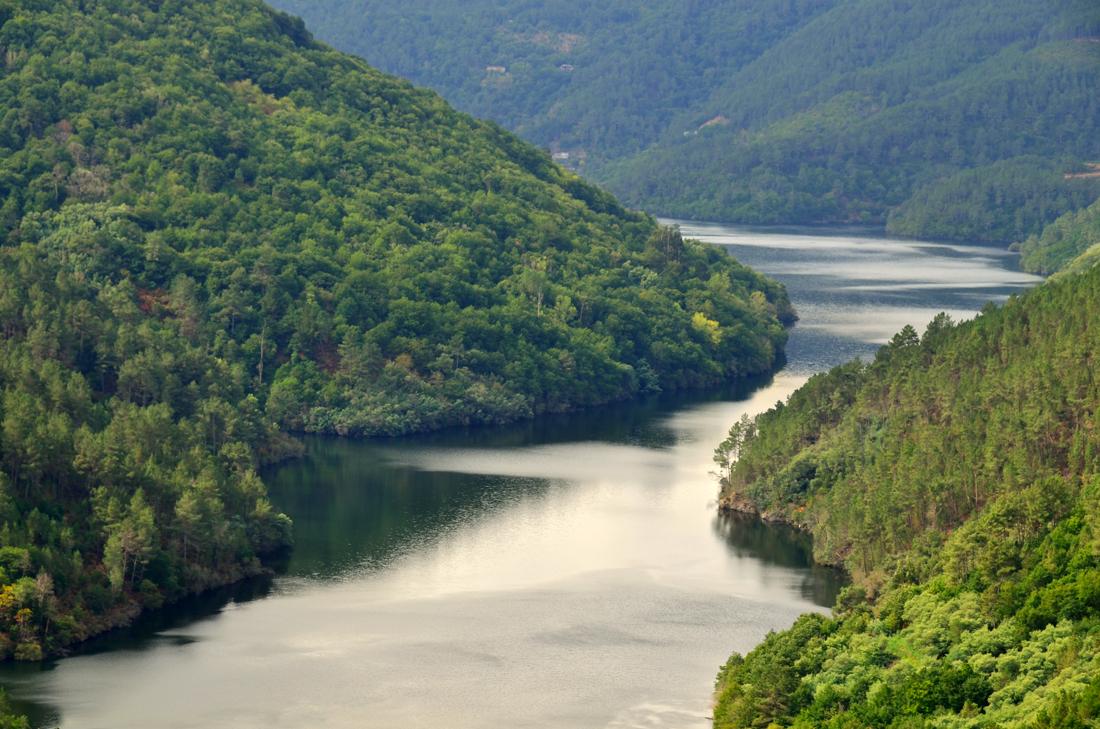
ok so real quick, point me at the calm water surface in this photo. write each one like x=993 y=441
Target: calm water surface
x=567 y=572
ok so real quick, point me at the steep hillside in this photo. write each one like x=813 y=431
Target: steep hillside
x=876 y=104
x=1070 y=241
x=958 y=477
x=213 y=229
x=601 y=79
x=356 y=243
x=775 y=112
x=1008 y=200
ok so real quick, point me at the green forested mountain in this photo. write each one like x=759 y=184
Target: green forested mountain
x=1009 y=200
x=957 y=476
x=775 y=112
x=629 y=67
x=1073 y=240
x=213 y=229
x=877 y=104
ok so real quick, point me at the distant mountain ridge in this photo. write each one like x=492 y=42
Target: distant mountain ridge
x=819 y=111
x=601 y=78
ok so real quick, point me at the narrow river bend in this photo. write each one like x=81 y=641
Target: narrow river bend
x=567 y=572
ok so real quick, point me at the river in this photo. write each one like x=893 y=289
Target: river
x=565 y=572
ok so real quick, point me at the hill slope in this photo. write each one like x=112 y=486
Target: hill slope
x=322 y=209
x=213 y=228
x=1070 y=241
x=877 y=104
x=958 y=477
x=629 y=67
x=775 y=112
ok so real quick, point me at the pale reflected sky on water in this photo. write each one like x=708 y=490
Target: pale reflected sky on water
x=569 y=572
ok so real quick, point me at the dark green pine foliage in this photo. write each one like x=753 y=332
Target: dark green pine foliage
x=958 y=477
x=1007 y=201
x=213 y=230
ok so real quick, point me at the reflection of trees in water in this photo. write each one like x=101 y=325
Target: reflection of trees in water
x=153 y=622
x=353 y=509
x=778 y=544
x=143 y=634
x=352 y=506
x=637 y=422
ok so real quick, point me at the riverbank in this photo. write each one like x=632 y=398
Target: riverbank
x=955 y=477
x=430 y=565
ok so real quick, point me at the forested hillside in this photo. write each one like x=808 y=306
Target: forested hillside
x=213 y=230
x=776 y=112
x=957 y=476
x=602 y=79
x=878 y=104
x=1009 y=200
x=1071 y=241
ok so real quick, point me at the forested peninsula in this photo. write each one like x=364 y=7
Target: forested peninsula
x=215 y=231
x=957 y=477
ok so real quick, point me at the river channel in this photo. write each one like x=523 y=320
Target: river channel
x=565 y=572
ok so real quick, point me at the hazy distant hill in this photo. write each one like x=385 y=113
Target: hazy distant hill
x=603 y=78
x=774 y=111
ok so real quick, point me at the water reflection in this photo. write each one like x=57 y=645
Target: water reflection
x=855 y=289
x=359 y=505
x=568 y=571
x=748 y=536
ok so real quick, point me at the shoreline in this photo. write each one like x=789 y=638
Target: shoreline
x=131 y=613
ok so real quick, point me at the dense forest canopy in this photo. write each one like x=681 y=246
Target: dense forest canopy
x=1071 y=241
x=958 y=477
x=347 y=236
x=214 y=229
x=878 y=103
x=771 y=111
x=603 y=78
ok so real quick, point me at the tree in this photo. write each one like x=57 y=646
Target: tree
x=130 y=543
x=729 y=450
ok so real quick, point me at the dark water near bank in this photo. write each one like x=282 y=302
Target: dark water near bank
x=567 y=572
